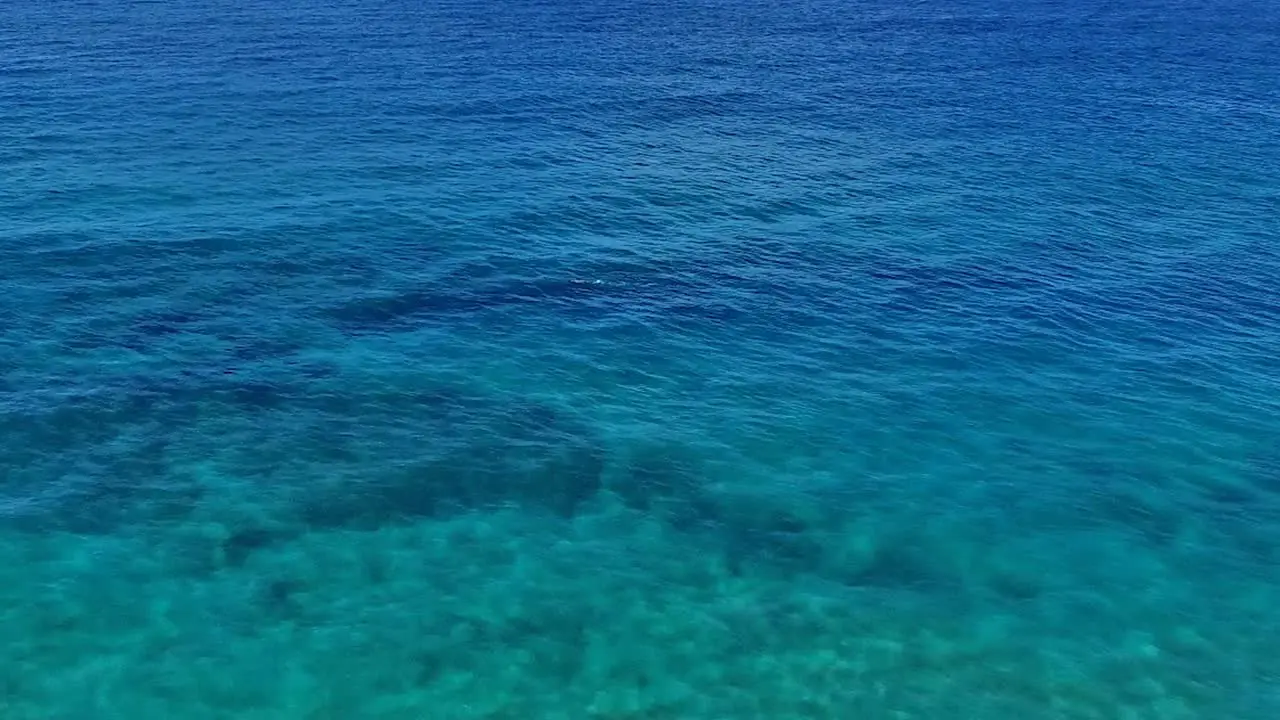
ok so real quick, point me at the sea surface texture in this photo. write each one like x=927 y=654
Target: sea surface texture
x=711 y=359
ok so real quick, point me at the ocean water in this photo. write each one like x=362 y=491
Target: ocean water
x=388 y=359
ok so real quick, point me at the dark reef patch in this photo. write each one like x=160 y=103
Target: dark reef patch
x=162 y=323
x=103 y=460
x=454 y=297
x=586 y=291
x=244 y=542
x=522 y=454
x=1264 y=469
x=665 y=480
x=90 y=460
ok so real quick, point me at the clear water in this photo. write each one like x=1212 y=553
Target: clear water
x=389 y=359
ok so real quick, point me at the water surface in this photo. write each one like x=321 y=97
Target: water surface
x=385 y=359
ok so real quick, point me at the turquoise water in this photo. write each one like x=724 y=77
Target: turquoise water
x=383 y=359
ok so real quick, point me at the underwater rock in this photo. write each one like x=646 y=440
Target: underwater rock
x=527 y=455
x=665 y=480
x=244 y=542
x=98 y=500
x=1136 y=507
x=373 y=314
x=279 y=597
x=922 y=279
x=86 y=462
x=901 y=563
x=94 y=460
x=1265 y=470
x=161 y=323
x=1230 y=495
x=456 y=297
x=782 y=529
x=584 y=289
x=486 y=477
